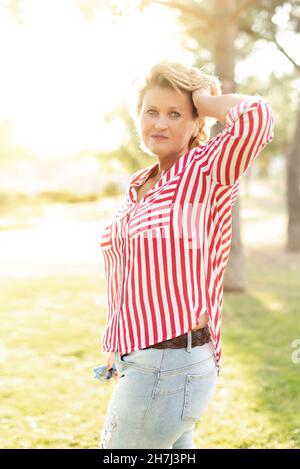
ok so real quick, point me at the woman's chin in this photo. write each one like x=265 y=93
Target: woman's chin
x=157 y=150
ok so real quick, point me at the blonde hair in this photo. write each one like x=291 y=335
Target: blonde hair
x=181 y=78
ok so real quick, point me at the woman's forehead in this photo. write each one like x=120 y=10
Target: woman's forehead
x=157 y=96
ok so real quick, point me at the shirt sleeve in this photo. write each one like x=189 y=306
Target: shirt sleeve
x=249 y=126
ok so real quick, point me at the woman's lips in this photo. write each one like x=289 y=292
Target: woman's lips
x=159 y=137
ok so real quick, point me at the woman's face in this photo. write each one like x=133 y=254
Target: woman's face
x=167 y=113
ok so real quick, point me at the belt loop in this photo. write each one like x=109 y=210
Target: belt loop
x=189 y=341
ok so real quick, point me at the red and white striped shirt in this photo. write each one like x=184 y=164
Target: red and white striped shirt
x=165 y=256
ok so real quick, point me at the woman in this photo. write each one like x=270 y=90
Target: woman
x=165 y=254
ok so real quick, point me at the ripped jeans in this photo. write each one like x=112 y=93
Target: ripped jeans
x=159 y=397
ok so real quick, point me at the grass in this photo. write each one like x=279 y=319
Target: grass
x=257 y=401
x=51 y=342
x=51 y=330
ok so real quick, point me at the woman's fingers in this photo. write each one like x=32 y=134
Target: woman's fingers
x=110 y=360
x=200 y=92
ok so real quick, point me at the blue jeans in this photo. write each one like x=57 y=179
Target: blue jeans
x=159 y=396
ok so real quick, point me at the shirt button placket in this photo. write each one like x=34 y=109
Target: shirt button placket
x=125 y=237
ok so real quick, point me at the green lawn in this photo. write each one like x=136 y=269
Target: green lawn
x=256 y=404
x=50 y=340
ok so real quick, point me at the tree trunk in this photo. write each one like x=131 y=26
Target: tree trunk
x=293 y=190
x=224 y=59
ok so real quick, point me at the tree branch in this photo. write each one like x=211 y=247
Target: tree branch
x=297 y=66
x=271 y=38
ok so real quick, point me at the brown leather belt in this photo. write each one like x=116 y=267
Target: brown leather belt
x=199 y=337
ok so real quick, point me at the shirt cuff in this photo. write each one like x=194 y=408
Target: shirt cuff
x=246 y=105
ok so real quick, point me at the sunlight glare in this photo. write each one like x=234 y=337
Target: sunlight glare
x=64 y=72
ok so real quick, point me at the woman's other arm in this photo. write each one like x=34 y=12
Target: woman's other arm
x=249 y=127
x=215 y=106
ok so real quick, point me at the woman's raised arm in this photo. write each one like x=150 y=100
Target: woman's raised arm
x=249 y=127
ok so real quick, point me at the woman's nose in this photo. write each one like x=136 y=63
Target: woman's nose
x=161 y=123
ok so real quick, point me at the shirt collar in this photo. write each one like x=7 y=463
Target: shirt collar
x=166 y=174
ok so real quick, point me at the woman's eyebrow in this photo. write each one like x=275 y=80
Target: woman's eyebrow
x=170 y=107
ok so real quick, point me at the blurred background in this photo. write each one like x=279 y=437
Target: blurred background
x=67 y=149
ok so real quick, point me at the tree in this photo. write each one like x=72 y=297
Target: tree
x=270 y=29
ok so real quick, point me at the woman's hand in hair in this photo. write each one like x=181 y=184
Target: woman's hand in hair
x=196 y=96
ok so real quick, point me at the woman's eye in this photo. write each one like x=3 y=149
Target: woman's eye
x=173 y=114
